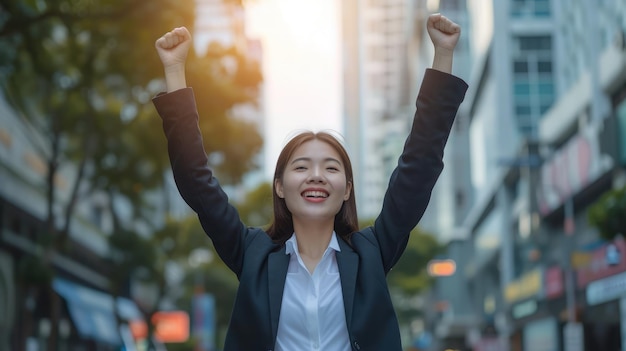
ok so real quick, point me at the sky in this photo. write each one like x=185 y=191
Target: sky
x=301 y=67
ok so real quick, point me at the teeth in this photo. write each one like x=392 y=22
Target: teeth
x=315 y=194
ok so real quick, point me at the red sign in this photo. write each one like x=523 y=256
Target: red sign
x=554 y=284
x=171 y=327
x=605 y=262
x=572 y=168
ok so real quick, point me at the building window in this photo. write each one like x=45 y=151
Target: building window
x=534 y=43
x=520 y=67
x=533 y=80
x=530 y=8
x=544 y=67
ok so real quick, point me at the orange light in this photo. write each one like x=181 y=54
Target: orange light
x=441 y=268
x=139 y=329
x=171 y=327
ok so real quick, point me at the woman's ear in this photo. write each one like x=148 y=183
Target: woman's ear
x=279 y=188
x=346 y=196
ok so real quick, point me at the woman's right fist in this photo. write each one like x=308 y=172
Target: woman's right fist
x=173 y=46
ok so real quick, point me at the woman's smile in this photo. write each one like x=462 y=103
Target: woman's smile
x=316 y=175
x=315 y=195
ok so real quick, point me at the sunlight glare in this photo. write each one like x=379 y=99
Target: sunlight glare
x=301 y=65
x=298 y=24
x=308 y=27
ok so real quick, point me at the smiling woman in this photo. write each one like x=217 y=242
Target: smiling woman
x=313 y=279
x=301 y=64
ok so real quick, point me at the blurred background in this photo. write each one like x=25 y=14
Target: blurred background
x=521 y=247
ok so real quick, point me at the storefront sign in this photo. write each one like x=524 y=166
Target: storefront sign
x=541 y=335
x=526 y=286
x=579 y=259
x=606 y=289
x=524 y=309
x=171 y=326
x=605 y=261
x=554 y=285
x=571 y=169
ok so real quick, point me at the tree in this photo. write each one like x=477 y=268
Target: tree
x=607 y=215
x=185 y=244
x=409 y=276
x=81 y=74
x=257 y=207
x=213 y=276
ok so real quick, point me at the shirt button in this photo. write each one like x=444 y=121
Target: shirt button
x=356 y=345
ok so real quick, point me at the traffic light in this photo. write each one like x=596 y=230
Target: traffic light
x=441 y=268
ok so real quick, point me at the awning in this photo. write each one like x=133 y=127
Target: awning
x=130 y=313
x=92 y=311
x=127 y=309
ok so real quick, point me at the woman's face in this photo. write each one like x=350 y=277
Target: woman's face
x=314 y=183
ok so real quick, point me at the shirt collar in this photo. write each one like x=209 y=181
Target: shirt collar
x=291 y=245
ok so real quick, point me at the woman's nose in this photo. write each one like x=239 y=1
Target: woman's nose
x=316 y=175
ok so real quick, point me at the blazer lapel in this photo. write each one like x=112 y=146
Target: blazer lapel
x=347 y=262
x=278 y=262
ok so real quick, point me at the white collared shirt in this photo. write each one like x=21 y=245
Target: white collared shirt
x=312 y=315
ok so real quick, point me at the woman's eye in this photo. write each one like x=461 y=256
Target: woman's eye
x=300 y=168
x=333 y=169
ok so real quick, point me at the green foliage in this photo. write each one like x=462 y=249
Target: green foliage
x=132 y=253
x=257 y=208
x=178 y=242
x=33 y=271
x=231 y=141
x=366 y=222
x=409 y=277
x=82 y=74
x=222 y=283
x=608 y=214
x=184 y=346
x=409 y=274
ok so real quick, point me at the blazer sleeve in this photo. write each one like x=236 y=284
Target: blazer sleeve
x=195 y=180
x=420 y=163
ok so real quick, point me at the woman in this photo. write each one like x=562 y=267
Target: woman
x=313 y=280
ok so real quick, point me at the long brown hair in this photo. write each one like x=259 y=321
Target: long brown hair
x=346 y=220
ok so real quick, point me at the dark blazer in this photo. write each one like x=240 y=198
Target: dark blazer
x=261 y=265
